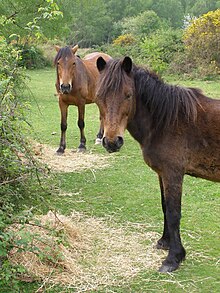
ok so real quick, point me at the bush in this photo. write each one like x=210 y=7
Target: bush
x=159 y=49
x=19 y=171
x=32 y=57
x=12 y=116
x=124 y=40
x=202 y=40
x=141 y=25
x=155 y=51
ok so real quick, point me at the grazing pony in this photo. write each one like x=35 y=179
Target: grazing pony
x=178 y=130
x=75 y=85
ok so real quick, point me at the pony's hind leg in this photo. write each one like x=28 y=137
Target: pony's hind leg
x=100 y=133
x=164 y=241
x=63 y=126
x=172 y=196
x=81 y=125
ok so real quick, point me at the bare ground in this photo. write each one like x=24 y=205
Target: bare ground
x=70 y=161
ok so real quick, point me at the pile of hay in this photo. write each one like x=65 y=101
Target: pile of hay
x=70 y=161
x=85 y=253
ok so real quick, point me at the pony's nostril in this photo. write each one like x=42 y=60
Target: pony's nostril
x=119 y=141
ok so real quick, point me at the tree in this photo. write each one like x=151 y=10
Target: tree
x=26 y=18
x=84 y=22
x=141 y=25
x=171 y=10
x=203 y=6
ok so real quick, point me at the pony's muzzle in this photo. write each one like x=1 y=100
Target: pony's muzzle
x=65 y=88
x=113 y=145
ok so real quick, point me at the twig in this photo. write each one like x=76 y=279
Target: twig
x=12 y=180
x=36 y=225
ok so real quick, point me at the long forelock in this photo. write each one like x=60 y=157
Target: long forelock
x=62 y=53
x=113 y=80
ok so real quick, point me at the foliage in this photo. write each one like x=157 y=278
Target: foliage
x=19 y=171
x=101 y=21
x=28 y=19
x=200 y=7
x=94 y=22
x=202 y=40
x=141 y=25
x=85 y=23
x=32 y=57
x=16 y=160
x=11 y=113
x=171 y=10
x=124 y=40
x=158 y=49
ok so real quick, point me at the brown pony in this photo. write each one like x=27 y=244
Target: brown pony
x=178 y=130
x=75 y=85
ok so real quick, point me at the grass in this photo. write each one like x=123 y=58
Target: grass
x=128 y=191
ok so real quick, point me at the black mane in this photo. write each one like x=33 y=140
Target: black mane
x=166 y=103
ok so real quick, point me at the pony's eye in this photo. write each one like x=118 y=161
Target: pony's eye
x=128 y=96
x=74 y=63
x=58 y=63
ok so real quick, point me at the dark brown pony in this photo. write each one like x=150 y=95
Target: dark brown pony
x=75 y=85
x=178 y=130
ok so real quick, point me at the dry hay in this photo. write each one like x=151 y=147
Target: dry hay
x=86 y=253
x=69 y=161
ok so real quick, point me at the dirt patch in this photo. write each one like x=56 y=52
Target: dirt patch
x=70 y=161
x=84 y=253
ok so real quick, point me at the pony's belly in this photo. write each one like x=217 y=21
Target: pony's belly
x=209 y=172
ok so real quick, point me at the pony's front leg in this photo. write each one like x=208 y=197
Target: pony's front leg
x=81 y=125
x=172 y=186
x=63 y=126
x=164 y=241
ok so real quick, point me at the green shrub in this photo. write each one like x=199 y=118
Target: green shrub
x=32 y=57
x=141 y=25
x=159 y=49
x=155 y=51
x=19 y=171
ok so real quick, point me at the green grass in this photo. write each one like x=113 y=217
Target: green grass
x=128 y=190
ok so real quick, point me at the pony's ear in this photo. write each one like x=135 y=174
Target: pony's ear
x=57 y=48
x=101 y=63
x=75 y=48
x=127 y=64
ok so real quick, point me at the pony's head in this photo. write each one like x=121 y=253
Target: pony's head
x=65 y=62
x=115 y=99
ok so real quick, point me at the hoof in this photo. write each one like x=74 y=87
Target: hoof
x=168 y=268
x=81 y=149
x=98 y=141
x=162 y=244
x=60 y=152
